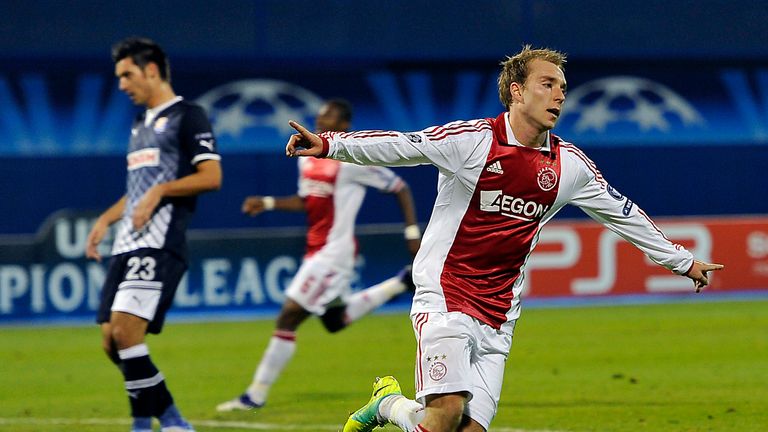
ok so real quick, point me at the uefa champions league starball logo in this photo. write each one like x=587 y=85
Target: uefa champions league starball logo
x=627 y=103
x=253 y=114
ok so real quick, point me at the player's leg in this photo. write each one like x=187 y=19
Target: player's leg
x=468 y=424
x=446 y=344
x=385 y=404
x=301 y=302
x=402 y=412
x=488 y=376
x=113 y=279
x=363 y=302
x=443 y=380
x=443 y=412
x=139 y=307
x=142 y=416
x=279 y=352
x=108 y=344
x=334 y=318
x=127 y=332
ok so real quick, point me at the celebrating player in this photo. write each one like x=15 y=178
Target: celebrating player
x=500 y=180
x=171 y=159
x=331 y=193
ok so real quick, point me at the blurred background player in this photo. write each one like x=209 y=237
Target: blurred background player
x=171 y=158
x=331 y=193
x=500 y=180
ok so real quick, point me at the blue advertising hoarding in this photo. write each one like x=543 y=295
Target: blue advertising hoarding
x=241 y=273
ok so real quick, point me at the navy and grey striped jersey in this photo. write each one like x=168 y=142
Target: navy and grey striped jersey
x=166 y=144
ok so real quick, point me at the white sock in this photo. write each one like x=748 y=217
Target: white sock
x=401 y=412
x=361 y=303
x=279 y=352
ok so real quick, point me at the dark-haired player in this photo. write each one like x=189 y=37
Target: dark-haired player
x=171 y=158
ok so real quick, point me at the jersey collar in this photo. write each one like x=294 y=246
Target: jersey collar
x=508 y=136
x=151 y=113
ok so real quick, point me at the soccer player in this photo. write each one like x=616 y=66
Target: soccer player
x=330 y=192
x=171 y=158
x=500 y=180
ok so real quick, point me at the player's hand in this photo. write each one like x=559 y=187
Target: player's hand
x=303 y=143
x=699 y=273
x=253 y=205
x=95 y=237
x=146 y=207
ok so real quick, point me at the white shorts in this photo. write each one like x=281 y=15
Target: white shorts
x=141 y=301
x=318 y=285
x=457 y=353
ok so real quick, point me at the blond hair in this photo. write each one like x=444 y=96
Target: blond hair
x=515 y=68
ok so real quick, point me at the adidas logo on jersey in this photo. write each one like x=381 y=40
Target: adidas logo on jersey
x=495 y=168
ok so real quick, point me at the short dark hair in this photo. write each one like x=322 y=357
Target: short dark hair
x=142 y=51
x=343 y=107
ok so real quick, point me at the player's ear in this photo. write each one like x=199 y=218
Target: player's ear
x=516 y=91
x=151 y=70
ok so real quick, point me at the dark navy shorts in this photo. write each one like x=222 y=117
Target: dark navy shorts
x=142 y=283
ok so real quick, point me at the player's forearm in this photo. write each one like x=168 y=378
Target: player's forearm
x=407 y=206
x=384 y=148
x=293 y=203
x=113 y=213
x=639 y=230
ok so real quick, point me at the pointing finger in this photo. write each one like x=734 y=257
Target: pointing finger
x=299 y=128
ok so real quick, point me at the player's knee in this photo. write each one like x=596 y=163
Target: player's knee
x=291 y=316
x=124 y=336
x=289 y=321
x=108 y=343
x=333 y=319
x=119 y=335
x=445 y=412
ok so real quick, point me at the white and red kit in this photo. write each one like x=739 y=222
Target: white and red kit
x=494 y=196
x=332 y=192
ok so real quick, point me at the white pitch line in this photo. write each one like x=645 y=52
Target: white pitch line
x=206 y=423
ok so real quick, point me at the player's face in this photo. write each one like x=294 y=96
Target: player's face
x=133 y=81
x=543 y=94
x=329 y=119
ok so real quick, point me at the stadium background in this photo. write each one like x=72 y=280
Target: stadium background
x=671 y=103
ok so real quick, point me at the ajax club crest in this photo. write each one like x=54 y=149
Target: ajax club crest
x=547 y=179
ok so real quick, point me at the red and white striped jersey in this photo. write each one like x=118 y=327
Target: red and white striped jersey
x=332 y=193
x=494 y=196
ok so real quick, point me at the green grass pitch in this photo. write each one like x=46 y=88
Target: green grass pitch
x=672 y=367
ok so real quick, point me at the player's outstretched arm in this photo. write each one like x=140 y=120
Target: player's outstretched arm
x=304 y=143
x=254 y=205
x=699 y=273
